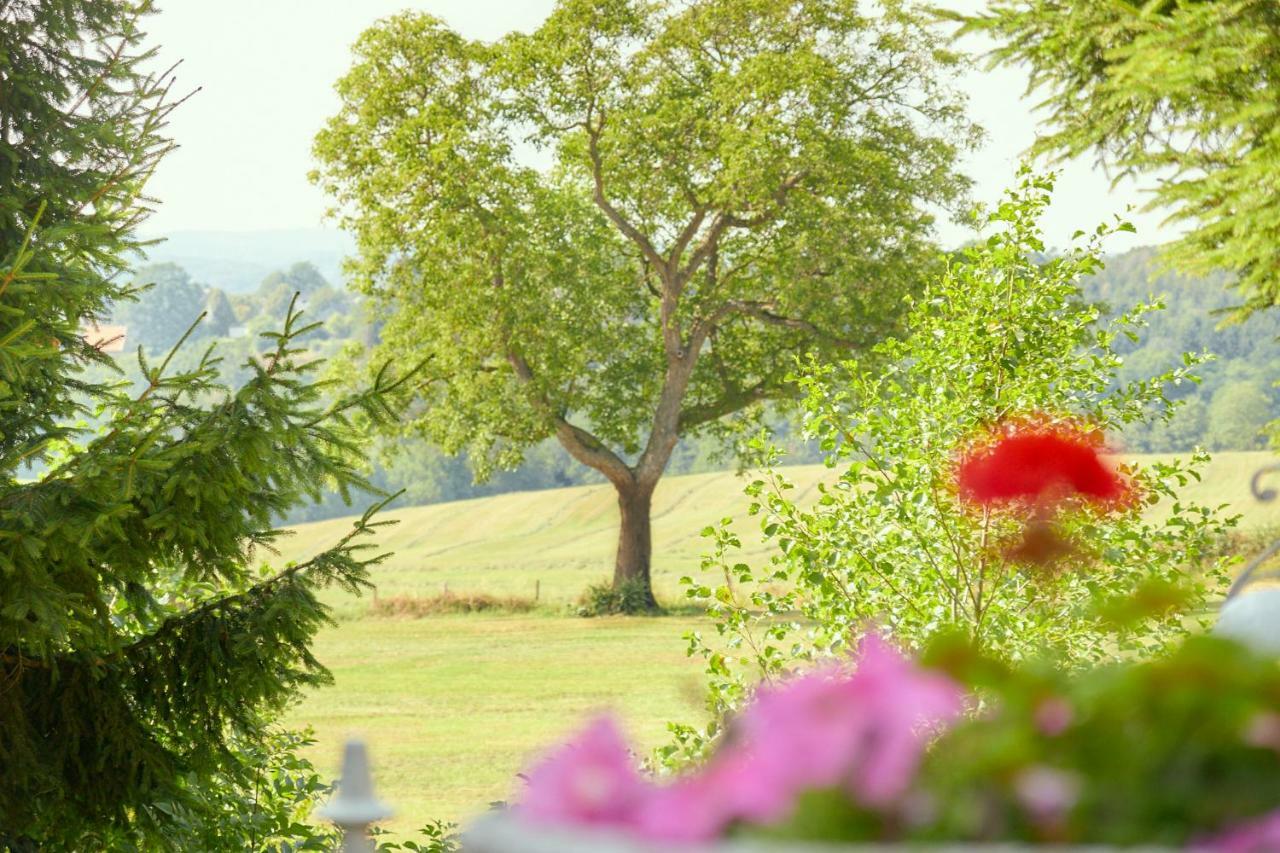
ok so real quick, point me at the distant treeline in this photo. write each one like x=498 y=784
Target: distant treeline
x=234 y=321
x=1231 y=407
x=1229 y=410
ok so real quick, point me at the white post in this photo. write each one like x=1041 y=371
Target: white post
x=1252 y=618
x=354 y=807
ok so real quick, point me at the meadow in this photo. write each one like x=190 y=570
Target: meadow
x=454 y=705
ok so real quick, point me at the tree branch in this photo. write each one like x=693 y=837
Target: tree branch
x=171 y=625
x=764 y=312
x=580 y=444
x=734 y=400
x=686 y=236
x=602 y=201
x=705 y=248
x=725 y=221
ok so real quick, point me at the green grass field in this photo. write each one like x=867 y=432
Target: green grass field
x=453 y=706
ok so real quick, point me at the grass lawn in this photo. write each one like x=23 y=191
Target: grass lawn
x=453 y=707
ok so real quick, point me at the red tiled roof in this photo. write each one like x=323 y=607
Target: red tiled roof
x=107 y=338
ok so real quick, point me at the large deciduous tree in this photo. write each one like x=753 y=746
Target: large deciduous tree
x=1186 y=91
x=621 y=228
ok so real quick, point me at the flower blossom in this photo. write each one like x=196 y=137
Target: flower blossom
x=1047 y=793
x=1037 y=465
x=1054 y=716
x=591 y=780
x=864 y=730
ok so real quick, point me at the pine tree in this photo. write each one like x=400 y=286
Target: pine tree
x=141 y=643
x=1183 y=91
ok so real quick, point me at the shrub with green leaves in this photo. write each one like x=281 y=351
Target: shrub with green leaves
x=435 y=836
x=623 y=599
x=1002 y=335
x=268 y=810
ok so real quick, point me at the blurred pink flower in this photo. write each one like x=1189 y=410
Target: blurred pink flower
x=1047 y=793
x=731 y=787
x=803 y=732
x=1053 y=716
x=1258 y=836
x=696 y=808
x=867 y=730
x=589 y=780
x=747 y=790
x=907 y=705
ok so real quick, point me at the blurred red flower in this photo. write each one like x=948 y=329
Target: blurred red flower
x=1039 y=464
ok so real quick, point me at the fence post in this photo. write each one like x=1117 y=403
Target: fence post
x=354 y=807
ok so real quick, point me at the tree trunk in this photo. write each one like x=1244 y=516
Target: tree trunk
x=635 y=540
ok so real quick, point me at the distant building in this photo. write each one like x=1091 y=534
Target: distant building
x=106 y=338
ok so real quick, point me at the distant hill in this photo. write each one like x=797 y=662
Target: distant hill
x=237 y=261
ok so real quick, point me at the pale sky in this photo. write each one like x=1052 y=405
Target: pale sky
x=266 y=70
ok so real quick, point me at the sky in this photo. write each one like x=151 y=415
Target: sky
x=266 y=68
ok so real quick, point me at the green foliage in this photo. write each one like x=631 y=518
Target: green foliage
x=302 y=278
x=134 y=624
x=437 y=836
x=219 y=315
x=143 y=648
x=1243 y=351
x=1000 y=335
x=266 y=810
x=1169 y=739
x=731 y=184
x=625 y=599
x=79 y=122
x=1179 y=89
x=277 y=290
x=273 y=815
x=424 y=475
x=1164 y=753
x=1238 y=415
x=81 y=130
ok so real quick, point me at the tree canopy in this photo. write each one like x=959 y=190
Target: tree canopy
x=1185 y=91
x=724 y=186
